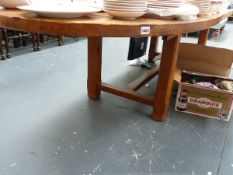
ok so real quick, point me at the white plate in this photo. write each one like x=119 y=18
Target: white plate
x=1 y=8
x=60 y=11
x=124 y=7
x=125 y=15
x=125 y=4
x=49 y=1
x=125 y=10
x=167 y=1
x=126 y=1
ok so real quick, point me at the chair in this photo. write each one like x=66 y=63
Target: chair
x=60 y=39
x=18 y=39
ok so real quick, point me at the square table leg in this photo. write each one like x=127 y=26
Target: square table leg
x=153 y=48
x=203 y=37
x=166 y=75
x=94 y=67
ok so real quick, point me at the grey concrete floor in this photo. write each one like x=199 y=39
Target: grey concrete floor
x=48 y=126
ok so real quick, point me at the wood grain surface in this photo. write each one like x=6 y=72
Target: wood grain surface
x=101 y=24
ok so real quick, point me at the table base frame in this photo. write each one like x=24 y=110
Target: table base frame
x=161 y=101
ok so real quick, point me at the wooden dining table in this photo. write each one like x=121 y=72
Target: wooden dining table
x=98 y=25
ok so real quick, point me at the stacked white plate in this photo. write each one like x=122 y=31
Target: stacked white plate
x=165 y=4
x=125 y=9
x=69 y=10
x=203 y=5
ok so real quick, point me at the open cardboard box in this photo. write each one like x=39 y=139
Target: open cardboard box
x=203 y=59
x=213 y=100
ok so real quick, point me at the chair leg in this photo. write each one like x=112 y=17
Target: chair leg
x=1 y=46
x=60 y=40
x=24 y=40
x=47 y=38
x=16 y=39
x=42 y=39
x=34 y=42
x=37 y=42
x=8 y=55
x=216 y=34
x=221 y=30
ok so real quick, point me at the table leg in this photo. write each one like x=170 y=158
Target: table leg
x=153 y=48
x=94 y=67
x=166 y=75
x=203 y=37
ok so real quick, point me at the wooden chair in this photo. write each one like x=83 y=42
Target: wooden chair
x=60 y=39
x=18 y=39
x=21 y=38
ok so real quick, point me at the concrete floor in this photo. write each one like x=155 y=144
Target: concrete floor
x=48 y=126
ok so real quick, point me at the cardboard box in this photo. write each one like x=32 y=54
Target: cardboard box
x=204 y=101
x=205 y=59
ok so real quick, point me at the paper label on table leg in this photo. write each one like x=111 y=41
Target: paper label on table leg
x=145 y=30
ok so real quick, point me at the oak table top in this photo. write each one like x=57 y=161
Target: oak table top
x=101 y=24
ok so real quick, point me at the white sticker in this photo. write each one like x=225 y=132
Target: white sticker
x=145 y=30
